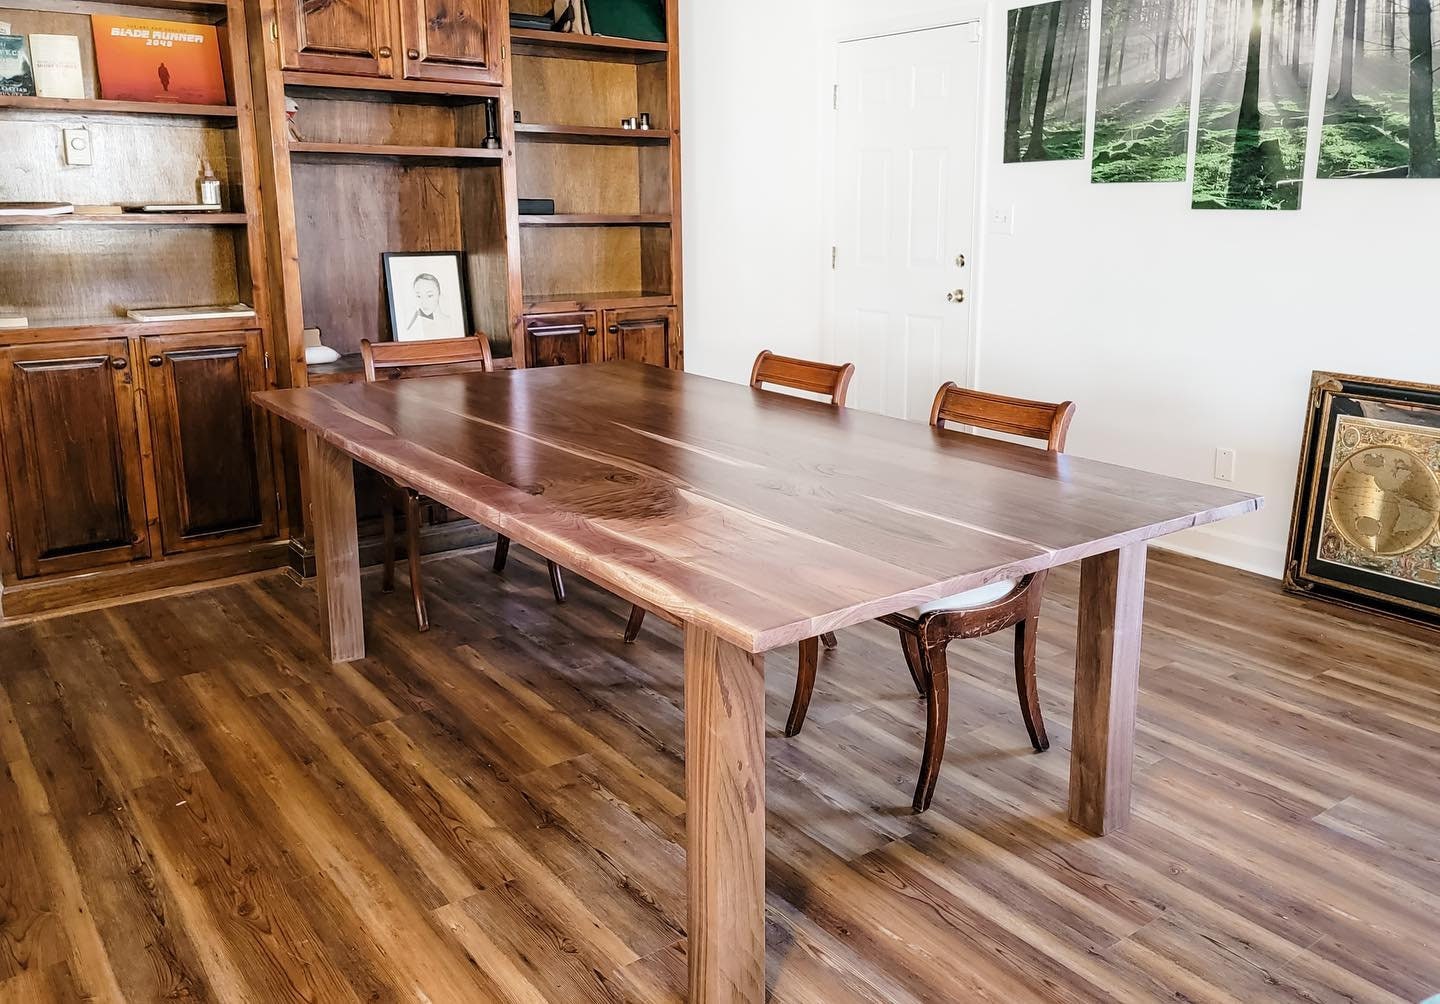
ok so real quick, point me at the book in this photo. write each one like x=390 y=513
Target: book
x=155 y=207
x=140 y=59
x=36 y=208
x=191 y=313
x=56 y=61
x=14 y=321
x=16 y=77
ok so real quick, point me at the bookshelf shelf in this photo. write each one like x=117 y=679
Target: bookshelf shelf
x=385 y=151
x=597 y=220
x=561 y=45
x=105 y=220
x=102 y=106
x=591 y=135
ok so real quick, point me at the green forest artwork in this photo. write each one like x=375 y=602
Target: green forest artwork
x=1047 y=75
x=1142 y=113
x=1380 y=105
x=1254 y=104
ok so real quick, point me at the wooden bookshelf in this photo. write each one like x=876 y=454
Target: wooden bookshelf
x=597 y=220
x=386 y=151
x=126 y=220
x=591 y=135
x=97 y=106
x=559 y=45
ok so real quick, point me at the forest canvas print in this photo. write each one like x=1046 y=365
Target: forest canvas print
x=1142 y=114
x=1254 y=104
x=1380 y=106
x=1047 y=76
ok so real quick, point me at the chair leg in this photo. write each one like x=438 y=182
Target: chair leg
x=1025 y=633
x=804 y=685
x=387 y=517
x=557 y=582
x=829 y=640
x=911 y=646
x=937 y=716
x=502 y=553
x=632 y=626
x=417 y=586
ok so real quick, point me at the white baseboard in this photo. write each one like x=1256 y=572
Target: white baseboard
x=1213 y=544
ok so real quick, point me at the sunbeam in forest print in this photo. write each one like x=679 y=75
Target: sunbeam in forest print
x=1254 y=104
x=1380 y=106
x=1142 y=113
x=1047 y=74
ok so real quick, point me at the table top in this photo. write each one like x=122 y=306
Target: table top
x=760 y=517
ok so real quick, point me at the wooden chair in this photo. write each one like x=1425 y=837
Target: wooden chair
x=388 y=360
x=798 y=374
x=925 y=631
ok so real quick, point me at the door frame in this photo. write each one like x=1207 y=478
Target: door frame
x=949 y=15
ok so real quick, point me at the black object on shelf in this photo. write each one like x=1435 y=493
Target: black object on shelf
x=537 y=207
x=535 y=22
x=643 y=20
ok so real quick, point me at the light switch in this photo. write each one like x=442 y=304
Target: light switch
x=77 y=147
x=1002 y=220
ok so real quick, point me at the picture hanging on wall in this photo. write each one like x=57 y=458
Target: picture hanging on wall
x=1366 y=530
x=1380 y=105
x=1047 y=74
x=1142 y=113
x=1254 y=104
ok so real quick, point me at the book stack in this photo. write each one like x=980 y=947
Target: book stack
x=36 y=209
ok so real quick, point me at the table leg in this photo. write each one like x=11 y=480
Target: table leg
x=337 y=550
x=1107 y=677
x=725 y=819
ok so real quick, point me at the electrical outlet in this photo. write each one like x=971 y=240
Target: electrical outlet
x=1002 y=220
x=1224 y=464
x=77 y=147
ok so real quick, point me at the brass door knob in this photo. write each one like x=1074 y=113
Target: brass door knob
x=157 y=361
x=412 y=53
x=383 y=52
x=119 y=362
x=956 y=297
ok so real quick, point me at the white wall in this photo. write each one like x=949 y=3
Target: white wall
x=1175 y=331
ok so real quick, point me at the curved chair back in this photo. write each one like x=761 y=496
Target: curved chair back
x=802 y=374
x=1013 y=415
x=453 y=354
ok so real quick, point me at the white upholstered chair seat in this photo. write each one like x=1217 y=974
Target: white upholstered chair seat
x=971 y=599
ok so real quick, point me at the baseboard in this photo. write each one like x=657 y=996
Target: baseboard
x=1213 y=544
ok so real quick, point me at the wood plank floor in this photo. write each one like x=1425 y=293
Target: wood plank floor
x=196 y=806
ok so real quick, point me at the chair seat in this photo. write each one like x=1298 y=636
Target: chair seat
x=972 y=599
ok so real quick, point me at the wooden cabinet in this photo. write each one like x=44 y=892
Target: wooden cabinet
x=561 y=339
x=72 y=456
x=641 y=335
x=338 y=36
x=454 y=41
x=213 y=473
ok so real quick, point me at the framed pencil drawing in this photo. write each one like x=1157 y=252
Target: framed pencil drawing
x=1366 y=529
x=427 y=295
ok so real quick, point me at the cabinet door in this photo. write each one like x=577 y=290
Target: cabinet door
x=336 y=36
x=640 y=335
x=213 y=472
x=452 y=40
x=560 y=339
x=72 y=456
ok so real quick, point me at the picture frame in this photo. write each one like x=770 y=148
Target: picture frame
x=1366 y=526
x=427 y=296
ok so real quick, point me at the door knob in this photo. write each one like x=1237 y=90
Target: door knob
x=959 y=261
x=956 y=297
x=590 y=332
x=157 y=361
x=119 y=362
x=614 y=329
x=412 y=53
x=383 y=52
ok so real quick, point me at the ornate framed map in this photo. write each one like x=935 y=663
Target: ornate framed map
x=1366 y=530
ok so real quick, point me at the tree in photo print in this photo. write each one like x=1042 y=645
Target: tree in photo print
x=1254 y=103
x=1380 y=107
x=1142 y=114
x=1046 y=78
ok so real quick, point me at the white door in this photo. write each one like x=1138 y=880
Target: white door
x=906 y=137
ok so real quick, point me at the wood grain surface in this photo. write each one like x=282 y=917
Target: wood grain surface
x=195 y=805
x=761 y=519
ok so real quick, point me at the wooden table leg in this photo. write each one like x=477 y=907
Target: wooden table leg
x=1107 y=677
x=337 y=550
x=725 y=819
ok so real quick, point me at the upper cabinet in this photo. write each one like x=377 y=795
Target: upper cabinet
x=448 y=41
x=452 y=40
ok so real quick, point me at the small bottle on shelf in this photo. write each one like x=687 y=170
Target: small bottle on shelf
x=209 y=186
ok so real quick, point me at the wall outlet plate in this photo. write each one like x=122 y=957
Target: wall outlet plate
x=77 y=147
x=1002 y=220
x=1224 y=464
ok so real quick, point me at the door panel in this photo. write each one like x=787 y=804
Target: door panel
x=560 y=339
x=640 y=335
x=352 y=37
x=452 y=40
x=905 y=169
x=212 y=448
x=72 y=455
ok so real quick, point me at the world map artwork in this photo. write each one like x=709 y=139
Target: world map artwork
x=1382 y=507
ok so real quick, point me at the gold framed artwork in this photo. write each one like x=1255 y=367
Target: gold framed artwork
x=1366 y=529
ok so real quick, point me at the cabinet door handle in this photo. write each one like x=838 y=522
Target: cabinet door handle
x=412 y=53
x=383 y=52
x=614 y=329
x=591 y=332
x=119 y=362
x=157 y=361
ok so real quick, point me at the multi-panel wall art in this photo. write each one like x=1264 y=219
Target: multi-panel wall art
x=1257 y=73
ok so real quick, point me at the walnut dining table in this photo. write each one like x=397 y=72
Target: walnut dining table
x=754 y=520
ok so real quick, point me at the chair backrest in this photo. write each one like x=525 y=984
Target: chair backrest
x=802 y=374
x=1012 y=415
x=394 y=358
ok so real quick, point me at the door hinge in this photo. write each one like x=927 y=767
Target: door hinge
x=834 y=256
x=275 y=30
x=835 y=97
x=267 y=360
x=277 y=501
x=9 y=542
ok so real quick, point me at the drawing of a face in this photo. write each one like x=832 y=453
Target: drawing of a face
x=427 y=294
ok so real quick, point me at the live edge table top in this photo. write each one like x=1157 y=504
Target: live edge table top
x=761 y=518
